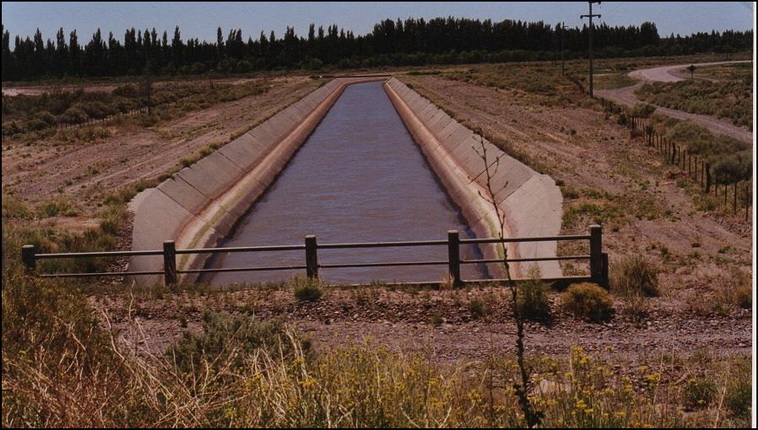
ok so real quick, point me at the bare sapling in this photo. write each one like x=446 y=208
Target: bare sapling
x=532 y=416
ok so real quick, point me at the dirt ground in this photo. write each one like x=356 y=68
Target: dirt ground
x=84 y=171
x=581 y=148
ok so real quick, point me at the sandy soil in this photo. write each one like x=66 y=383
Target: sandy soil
x=580 y=147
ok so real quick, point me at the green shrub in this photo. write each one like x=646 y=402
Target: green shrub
x=15 y=208
x=46 y=117
x=533 y=301
x=227 y=341
x=588 y=301
x=738 y=398
x=479 y=308
x=56 y=207
x=731 y=168
x=74 y=115
x=307 y=290
x=699 y=393
x=636 y=276
x=642 y=110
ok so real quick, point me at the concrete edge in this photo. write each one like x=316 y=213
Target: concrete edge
x=223 y=189
x=532 y=205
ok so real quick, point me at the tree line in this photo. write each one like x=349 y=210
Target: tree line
x=391 y=43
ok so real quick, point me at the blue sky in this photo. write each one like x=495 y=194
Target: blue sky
x=200 y=19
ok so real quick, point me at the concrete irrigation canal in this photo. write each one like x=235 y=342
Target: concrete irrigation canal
x=342 y=164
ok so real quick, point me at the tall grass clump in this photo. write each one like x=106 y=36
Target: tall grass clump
x=635 y=276
x=588 y=301
x=226 y=341
x=307 y=290
x=534 y=300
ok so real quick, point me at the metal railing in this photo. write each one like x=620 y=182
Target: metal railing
x=598 y=261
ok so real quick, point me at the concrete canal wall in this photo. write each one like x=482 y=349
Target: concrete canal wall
x=200 y=204
x=530 y=201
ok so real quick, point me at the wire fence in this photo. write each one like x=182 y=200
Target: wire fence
x=734 y=197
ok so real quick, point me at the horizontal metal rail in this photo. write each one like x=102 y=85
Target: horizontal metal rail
x=241 y=249
x=523 y=239
x=98 y=254
x=241 y=269
x=381 y=244
x=85 y=275
x=524 y=260
x=598 y=259
x=397 y=263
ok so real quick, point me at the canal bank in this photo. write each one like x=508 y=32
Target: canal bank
x=174 y=210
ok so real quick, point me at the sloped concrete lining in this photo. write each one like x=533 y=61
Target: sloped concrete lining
x=200 y=204
x=531 y=202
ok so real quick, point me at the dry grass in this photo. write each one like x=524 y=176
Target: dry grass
x=263 y=375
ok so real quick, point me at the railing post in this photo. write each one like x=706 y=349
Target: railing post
x=596 y=255
x=311 y=257
x=29 y=258
x=454 y=257
x=169 y=262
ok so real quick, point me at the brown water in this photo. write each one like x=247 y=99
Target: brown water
x=358 y=178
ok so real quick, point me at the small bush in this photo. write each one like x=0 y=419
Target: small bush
x=588 y=301
x=738 y=398
x=74 y=115
x=57 y=207
x=642 y=110
x=533 y=301
x=307 y=290
x=699 y=393
x=636 y=276
x=227 y=341
x=479 y=308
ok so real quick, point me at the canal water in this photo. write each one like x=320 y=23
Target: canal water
x=359 y=177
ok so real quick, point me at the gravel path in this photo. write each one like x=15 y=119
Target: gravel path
x=626 y=96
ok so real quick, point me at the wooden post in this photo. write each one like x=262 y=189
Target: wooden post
x=454 y=257
x=596 y=255
x=29 y=258
x=311 y=257
x=747 y=200
x=707 y=169
x=169 y=263
x=735 y=198
x=673 y=153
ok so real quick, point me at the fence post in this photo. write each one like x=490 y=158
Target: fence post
x=169 y=263
x=454 y=257
x=311 y=257
x=596 y=255
x=735 y=198
x=707 y=169
x=747 y=201
x=29 y=258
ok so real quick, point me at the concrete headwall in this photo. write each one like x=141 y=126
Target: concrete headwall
x=201 y=203
x=531 y=202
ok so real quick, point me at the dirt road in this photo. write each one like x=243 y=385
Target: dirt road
x=626 y=96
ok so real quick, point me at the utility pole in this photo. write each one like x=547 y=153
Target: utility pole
x=563 y=61
x=590 y=16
